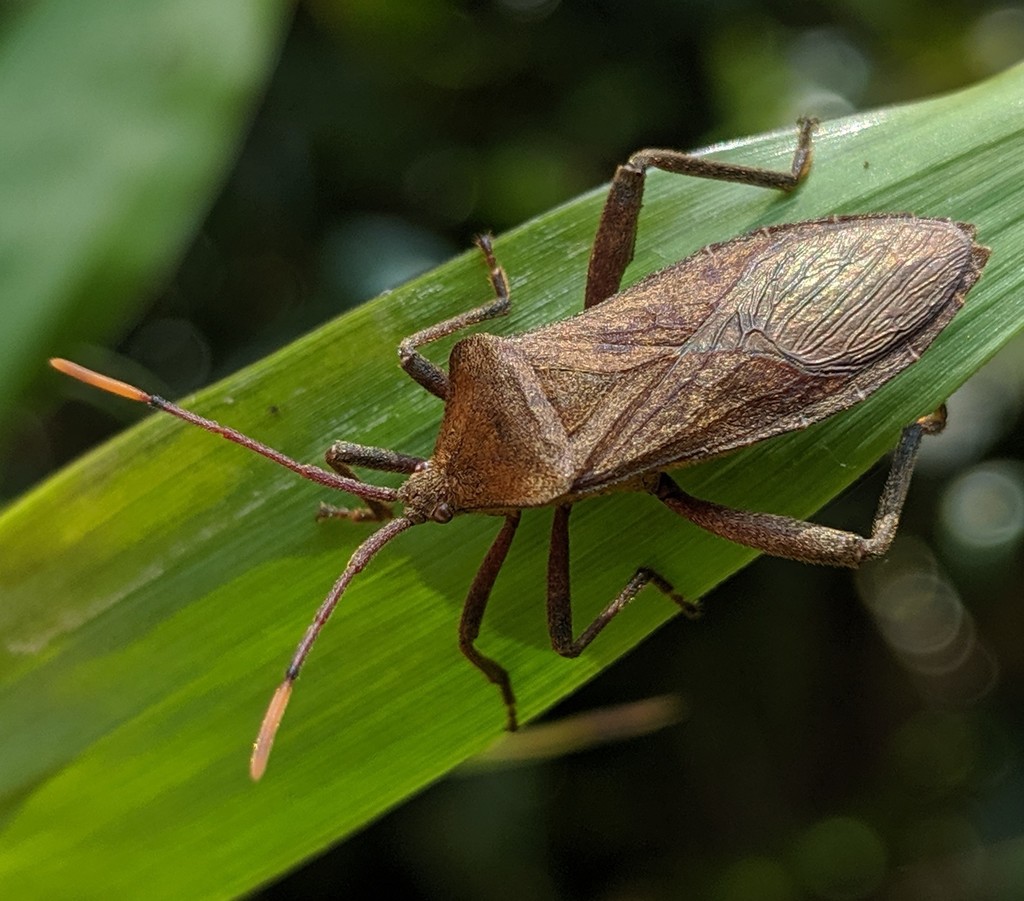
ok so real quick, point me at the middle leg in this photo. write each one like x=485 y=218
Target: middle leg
x=560 y=601
x=418 y=366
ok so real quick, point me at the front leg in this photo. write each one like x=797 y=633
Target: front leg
x=616 y=233
x=342 y=455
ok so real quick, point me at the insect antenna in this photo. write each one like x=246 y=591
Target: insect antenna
x=362 y=555
x=306 y=470
x=272 y=718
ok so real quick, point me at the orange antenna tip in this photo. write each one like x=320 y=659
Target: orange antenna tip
x=268 y=729
x=103 y=382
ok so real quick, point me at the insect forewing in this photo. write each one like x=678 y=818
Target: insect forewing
x=751 y=338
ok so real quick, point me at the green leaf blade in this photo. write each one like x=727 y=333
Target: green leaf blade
x=144 y=634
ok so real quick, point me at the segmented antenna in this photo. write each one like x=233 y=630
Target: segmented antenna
x=363 y=554
x=275 y=711
x=306 y=470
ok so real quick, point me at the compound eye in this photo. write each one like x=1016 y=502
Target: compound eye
x=442 y=513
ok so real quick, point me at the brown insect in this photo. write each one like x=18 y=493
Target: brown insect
x=746 y=339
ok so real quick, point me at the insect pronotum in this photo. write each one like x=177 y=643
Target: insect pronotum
x=746 y=339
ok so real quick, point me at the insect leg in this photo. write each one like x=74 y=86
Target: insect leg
x=419 y=367
x=616 y=233
x=473 y=614
x=342 y=455
x=382 y=459
x=559 y=594
x=784 y=536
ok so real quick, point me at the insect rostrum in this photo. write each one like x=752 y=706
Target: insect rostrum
x=746 y=339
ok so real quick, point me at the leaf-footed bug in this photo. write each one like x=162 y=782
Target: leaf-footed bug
x=746 y=339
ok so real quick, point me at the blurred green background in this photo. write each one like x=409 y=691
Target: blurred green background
x=826 y=750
